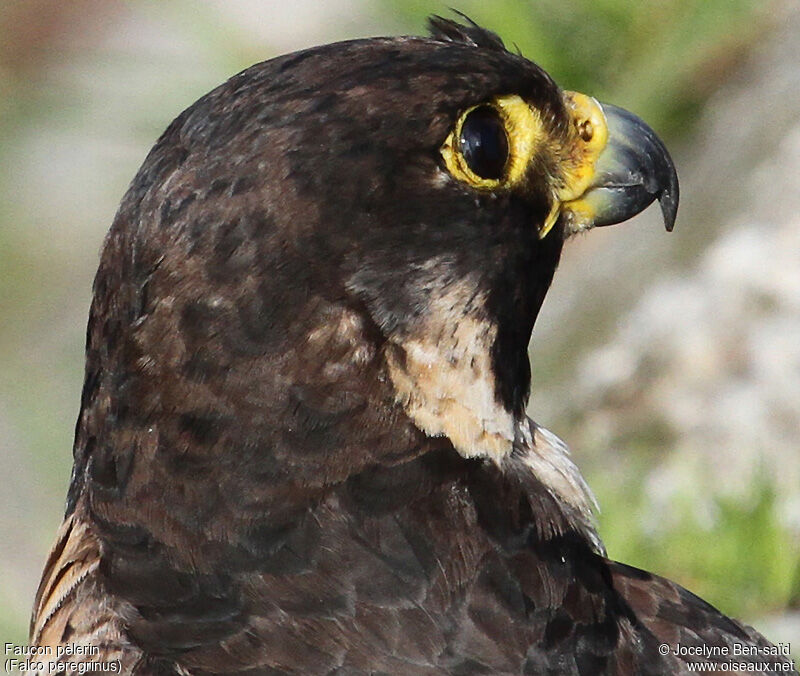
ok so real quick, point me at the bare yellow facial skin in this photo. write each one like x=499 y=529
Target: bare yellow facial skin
x=580 y=166
x=580 y=159
x=577 y=156
x=574 y=155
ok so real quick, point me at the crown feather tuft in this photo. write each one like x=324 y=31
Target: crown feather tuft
x=467 y=33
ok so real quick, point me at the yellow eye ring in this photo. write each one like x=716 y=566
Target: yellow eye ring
x=523 y=128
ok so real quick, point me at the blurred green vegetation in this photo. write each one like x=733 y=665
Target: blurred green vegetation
x=734 y=554
x=659 y=59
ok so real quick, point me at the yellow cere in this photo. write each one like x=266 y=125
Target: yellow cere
x=524 y=131
x=578 y=165
x=592 y=130
x=576 y=159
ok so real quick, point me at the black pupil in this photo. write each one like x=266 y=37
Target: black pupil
x=484 y=143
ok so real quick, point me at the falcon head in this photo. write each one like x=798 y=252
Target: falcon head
x=335 y=259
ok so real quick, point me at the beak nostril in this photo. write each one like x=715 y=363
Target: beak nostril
x=586 y=130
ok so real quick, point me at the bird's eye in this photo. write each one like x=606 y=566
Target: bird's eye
x=484 y=143
x=490 y=146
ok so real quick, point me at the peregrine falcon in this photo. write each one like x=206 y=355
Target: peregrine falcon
x=302 y=445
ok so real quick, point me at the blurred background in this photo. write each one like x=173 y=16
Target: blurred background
x=669 y=363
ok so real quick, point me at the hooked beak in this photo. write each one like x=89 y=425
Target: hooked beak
x=630 y=172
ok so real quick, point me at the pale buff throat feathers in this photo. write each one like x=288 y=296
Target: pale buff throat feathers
x=442 y=376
